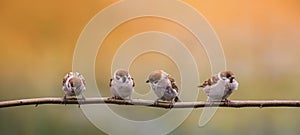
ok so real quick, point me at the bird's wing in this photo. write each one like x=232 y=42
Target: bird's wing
x=65 y=79
x=173 y=84
x=133 y=83
x=110 y=81
x=205 y=83
x=82 y=79
x=210 y=82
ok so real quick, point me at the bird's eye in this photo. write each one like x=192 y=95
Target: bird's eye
x=118 y=77
x=155 y=82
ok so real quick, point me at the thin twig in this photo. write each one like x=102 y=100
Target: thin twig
x=141 y=102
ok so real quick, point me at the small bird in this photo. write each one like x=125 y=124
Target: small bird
x=73 y=84
x=122 y=85
x=220 y=86
x=163 y=86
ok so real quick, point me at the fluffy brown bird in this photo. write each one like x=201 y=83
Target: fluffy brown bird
x=164 y=86
x=220 y=86
x=122 y=85
x=73 y=84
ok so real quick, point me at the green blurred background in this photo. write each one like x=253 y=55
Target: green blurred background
x=260 y=41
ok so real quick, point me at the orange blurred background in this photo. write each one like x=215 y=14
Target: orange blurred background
x=260 y=41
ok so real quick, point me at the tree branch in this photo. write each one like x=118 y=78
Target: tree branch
x=140 y=102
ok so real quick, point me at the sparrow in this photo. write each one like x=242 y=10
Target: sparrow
x=73 y=84
x=121 y=85
x=164 y=87
x=220 y=86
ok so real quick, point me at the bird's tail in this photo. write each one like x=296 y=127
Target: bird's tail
x=177 y=99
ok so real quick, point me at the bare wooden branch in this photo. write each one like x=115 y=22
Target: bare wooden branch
x=141 y=102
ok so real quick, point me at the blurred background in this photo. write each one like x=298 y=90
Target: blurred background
x=260 y=41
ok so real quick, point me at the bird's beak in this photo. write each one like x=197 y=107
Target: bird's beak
x=147 y=81
x=231 y=79
x=124 y=79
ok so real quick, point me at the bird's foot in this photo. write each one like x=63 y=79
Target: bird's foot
x=129 y=100
x=171 y=105
x=211 y=103
x=115 y=98
x=83 y=98
x=65 y=100
x=111 y=98
x=119 y=98
x=81 y=101
x=155 y=102
x=226 y=101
